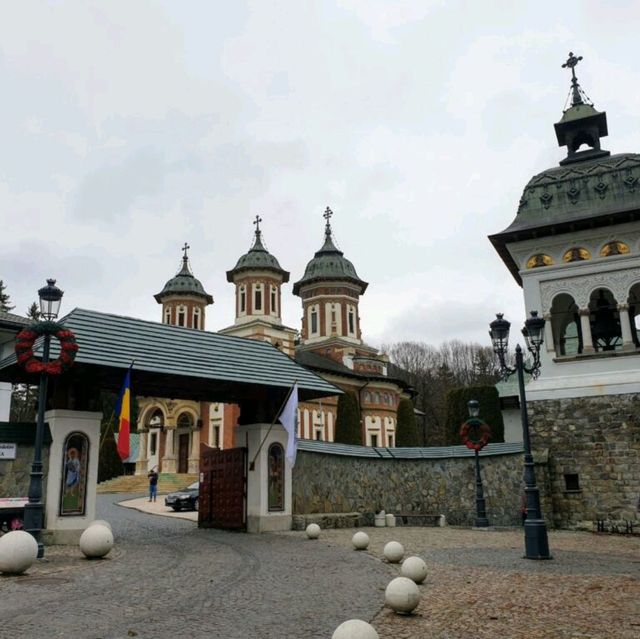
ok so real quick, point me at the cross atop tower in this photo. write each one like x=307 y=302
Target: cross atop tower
x=577 y=94
x=257 y=224
x=185 y=248
x=328 y=213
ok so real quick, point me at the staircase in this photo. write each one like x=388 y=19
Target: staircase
x=167 y=483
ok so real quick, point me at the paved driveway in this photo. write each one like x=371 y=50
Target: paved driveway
x=167 y=579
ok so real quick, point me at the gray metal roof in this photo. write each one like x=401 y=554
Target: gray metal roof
x=11 y=320
x=435 y=452
x=184 y=283
x=258 y=258
x=177 y=362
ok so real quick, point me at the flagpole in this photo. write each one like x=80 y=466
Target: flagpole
x=252 y=465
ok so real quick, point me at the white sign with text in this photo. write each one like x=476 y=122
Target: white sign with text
x=8 y=451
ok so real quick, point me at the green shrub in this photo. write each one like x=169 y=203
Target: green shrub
x=348 y=421
x=407 y=427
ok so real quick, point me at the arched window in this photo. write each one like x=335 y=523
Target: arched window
x=376 y=398
x=156 y=419
x=314 y=320
x=243 y=299
x=634 y=313
x=614 y=248
x=257 y=297
x=167 y=315
x=274 y=297
x=275 y=478
x=196 y=318
x=565 y=325
x=185 y=420
x=352 y=321
x=182 y=315
x=605 y=321
x=540 y=259
x=367 y=396
x=576 y=255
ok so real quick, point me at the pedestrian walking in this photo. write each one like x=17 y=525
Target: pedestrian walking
x=153 y=484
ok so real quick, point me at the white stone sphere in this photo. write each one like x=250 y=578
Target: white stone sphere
x=402 y=595
x=355 y=629
x=18 y=550
x=360 y=540
x=96 y=541
x=414 y=568
x=393 y=552
x=313 y=531
x=101 y=522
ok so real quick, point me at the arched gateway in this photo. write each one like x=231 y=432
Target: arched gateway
x=183 y=365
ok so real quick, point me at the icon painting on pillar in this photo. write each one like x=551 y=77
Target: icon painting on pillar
x=74 y=475
x=276 y=477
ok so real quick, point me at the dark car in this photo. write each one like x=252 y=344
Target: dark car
x=187 y=498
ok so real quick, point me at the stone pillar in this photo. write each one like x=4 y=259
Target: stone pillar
x=5 y=401
x=194 y=453
x=625 y=326
x=585 y=325
x=258 y=438
x=169 y=459
x=66 y=529
x=141 y=462
x=548 y=335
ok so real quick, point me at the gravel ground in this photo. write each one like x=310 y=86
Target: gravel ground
x=479 y=586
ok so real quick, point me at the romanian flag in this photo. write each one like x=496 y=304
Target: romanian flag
x=124 y=417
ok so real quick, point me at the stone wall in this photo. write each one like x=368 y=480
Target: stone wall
x=14 y=473
x=597 y=439
x=325 y=482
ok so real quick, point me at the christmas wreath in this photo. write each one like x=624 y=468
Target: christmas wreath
x=471 y=429
x=24 y=348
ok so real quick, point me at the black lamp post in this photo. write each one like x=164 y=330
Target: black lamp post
x=535 y=527
x=50 y=298
x=481 y=510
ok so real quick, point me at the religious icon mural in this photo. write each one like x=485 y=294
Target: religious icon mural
x=576 y=254
x=539 y=260
x=614 y=248
x=276 y=477
x=74 y=474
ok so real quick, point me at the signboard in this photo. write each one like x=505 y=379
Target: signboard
x=8 y=451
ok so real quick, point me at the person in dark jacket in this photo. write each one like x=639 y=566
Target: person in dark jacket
x=153 y=484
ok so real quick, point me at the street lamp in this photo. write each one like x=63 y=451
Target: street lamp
x=50 y=298
x=475 y=434
x=535 y=527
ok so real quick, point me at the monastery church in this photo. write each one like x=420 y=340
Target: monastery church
x=329 y=342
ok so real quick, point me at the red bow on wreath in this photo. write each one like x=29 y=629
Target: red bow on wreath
x=24 y=348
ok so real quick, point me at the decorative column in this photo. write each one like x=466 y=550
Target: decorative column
x=141 y=462
x=585 y=325
x=169 y=459
x=194 y=457
x=625 y=326
x=548 y=336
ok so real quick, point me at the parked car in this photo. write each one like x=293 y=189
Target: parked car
x=187 y=498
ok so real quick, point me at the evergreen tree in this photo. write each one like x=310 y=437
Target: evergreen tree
x=458 y=411
x=406 y=428
x=5 y=301
x=33 y=312
x=348 y=421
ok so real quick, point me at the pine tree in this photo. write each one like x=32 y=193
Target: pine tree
x=407 y=428
x=33 y=312
x=5 y=301
x=348 y=421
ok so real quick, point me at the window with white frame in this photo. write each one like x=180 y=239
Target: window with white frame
x=196 y=318
x=182 y=315
x=167 y=316
x=257 y=297
x=274 y=301
x=352 y=320
x=243 y=299
x=314 y=320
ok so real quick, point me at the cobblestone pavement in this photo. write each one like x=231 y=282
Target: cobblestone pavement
x=167 y=579
x=479 y=586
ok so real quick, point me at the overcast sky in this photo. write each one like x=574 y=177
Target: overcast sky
x=128 y=128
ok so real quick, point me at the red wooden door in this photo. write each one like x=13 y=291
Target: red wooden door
x=223 y=488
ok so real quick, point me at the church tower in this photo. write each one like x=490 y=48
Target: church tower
x=258 y=278
x=574 y=248
x=330 y=290
x=183 y=298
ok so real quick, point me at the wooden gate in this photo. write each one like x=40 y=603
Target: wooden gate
x=223 y=488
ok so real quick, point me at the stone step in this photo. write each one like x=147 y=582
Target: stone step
x=167 y=483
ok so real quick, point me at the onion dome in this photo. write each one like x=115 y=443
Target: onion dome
x=257 y=258
x=184 y=283
x=329 y=263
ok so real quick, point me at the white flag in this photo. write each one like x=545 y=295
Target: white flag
x=289 y=419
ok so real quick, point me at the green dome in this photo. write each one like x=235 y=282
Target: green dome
x=329 y=263
x=184 y=283
x=258 y=258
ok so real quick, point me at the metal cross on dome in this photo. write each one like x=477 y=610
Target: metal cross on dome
x=257 y=224
x=185 y=248
x=571 y=63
